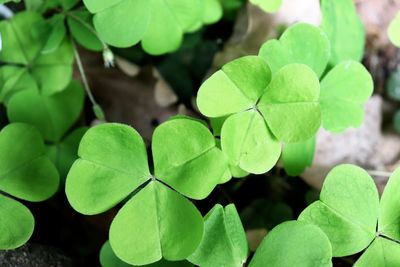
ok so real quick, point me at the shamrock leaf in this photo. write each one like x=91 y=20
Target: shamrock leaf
x=285 y=108
x=347 y=210
x=350 y=214
x=64 y=153
x=123 y=23
x=113 y=165
x=341 y=23
x=394 y=30
x=294 y=243
x=230 y=248
x=109 y=259
x=344 y=90
x=211 y=12
x=29 y=68
x=296 y=157
x=301 y=43
x=16 y=223
x=53 y=115
x=25 y=173
x=268 y=5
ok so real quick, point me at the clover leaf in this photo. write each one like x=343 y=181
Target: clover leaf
x=265 y=111
x=394 y=30
x=25 y=173
x=53 y=115
x=113 y=165
x=350 y=214
x=341 y=23
x=26 y=66
x=159 y=24
x=268 y=5
x=344 y=90
x=294 y=243
x=300 y=43
x=109 y=259
x=296 y=157
x=211 y=13
x=224 y=241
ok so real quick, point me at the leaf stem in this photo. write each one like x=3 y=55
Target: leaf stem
x=83 y=74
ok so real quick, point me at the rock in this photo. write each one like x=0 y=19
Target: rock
x=33 y=255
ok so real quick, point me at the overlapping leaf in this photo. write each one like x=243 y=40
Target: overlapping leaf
x=350 y=214
x=158 y=24
x=265 y=111
x=268 y=5
x=224 y=241
x=296 y=157
x=25 y=173
x=113 y=165
x=53 y=115
x=301 y=43
x=342 y=24
x=394 y=30
x=30 y=68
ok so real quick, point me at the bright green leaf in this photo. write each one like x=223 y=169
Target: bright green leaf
x=297 y=157
x=240 y=83
x=290 y=104
x=347 y=211
x=112 y=164
x=344 y=90
x=16 y=223
x=68 y=4
x=157 y=222
x=394 y=30
x=248 y=143
x=301 y=43
x=186 y=157
x=25 y=170
x=56 y=35
x=381 y=253
x=52 y=115
x=294 y=243
x=344 y=29
x=389 y=216
x=224 y=241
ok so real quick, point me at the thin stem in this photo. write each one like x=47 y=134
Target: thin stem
x=379 y=173
x=83 y=74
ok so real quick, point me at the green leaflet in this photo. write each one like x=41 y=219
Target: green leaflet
x=211 y=13
x=381 y=253
x=350 y=223
x=341 y=23
x=16 y=223
x=394 y=30
x=50 y=73
x=184 y=169
x=113 y=165
x=123 y=23
x=224 y=241
x=294 y=243
x=285 y=108
x=53 y=115
x=348 y=212
x=296 y=157
x=268 y=5
x=301 y=43
x=109 y=259
x=344 y=90
x=25 y=173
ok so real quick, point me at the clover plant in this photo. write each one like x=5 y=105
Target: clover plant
x=268 y=5
x=26 y=65
x=26 y=173
x=113 y=166
x=394 y=30
x=124 y=23
x=353 y=218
